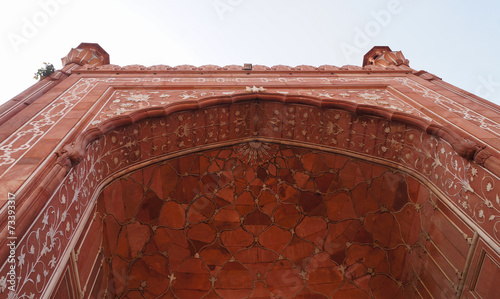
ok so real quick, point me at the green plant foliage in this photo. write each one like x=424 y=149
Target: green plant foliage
x=46 y=70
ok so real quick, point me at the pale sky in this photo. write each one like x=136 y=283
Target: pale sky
x=458 y=41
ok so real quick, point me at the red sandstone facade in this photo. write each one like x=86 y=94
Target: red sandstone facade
x=309 y=182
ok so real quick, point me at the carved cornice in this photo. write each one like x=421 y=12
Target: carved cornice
x=426 y=75
x=235 y=68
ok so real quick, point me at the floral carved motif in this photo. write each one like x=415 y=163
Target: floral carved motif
x=467 y=185
x=14 y=147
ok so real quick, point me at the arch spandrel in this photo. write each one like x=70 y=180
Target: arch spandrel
x=364 y=132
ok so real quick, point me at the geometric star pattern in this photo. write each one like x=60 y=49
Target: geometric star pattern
x=262 y=220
